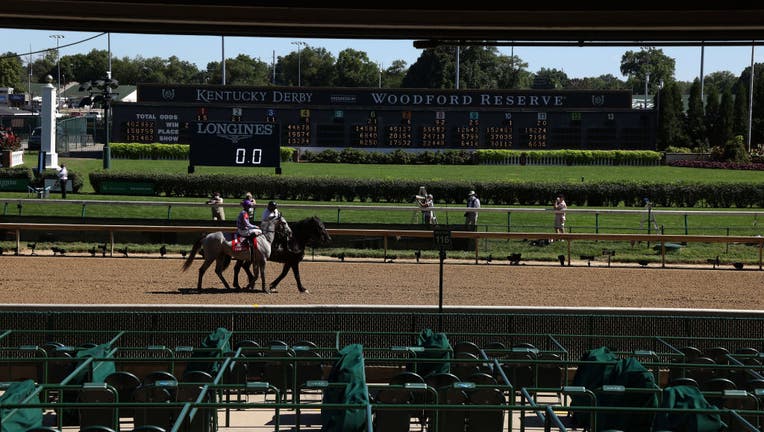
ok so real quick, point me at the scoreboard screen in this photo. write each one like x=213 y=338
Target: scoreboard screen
x=319 y=118
x=234 y=144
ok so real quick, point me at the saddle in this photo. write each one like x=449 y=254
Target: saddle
x=239 y=243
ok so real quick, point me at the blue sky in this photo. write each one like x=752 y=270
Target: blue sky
x=575 y=61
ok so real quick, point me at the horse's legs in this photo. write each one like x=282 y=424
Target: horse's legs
x=205 y=265
x=219 y=270
x=251 y=278
x=296 y=270
x=262 y=276
x=236 y=269
x=283 y=274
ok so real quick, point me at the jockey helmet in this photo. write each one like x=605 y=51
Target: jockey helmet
x=272 y=205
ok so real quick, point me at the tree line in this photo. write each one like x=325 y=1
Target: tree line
x=480 y=68
x=699 y=124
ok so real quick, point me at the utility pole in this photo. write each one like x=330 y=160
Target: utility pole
x=58 y=37
x=299 y=44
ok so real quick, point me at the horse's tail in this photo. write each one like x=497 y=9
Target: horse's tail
x=192 y=254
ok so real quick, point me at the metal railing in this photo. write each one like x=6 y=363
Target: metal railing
x=658 y=239
x=648 y=216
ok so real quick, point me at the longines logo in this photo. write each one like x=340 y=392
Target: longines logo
x=598 y=100
x=234 y=132
x=168 y=94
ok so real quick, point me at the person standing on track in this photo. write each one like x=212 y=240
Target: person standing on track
x=473 y=202
x=559 y=214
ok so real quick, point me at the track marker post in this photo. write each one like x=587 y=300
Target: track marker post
x=442 y=237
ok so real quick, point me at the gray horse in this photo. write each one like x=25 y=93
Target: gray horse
x=217 y=247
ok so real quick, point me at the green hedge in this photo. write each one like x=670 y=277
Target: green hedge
x=402 y=191
x=463 y=157
x=398 y=157
x=149 y=151
x=573 y=157
x=27 y=174
x=166 y=151
x=17 y=172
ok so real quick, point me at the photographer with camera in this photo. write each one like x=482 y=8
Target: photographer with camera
x=216 y=204
x=426 y=203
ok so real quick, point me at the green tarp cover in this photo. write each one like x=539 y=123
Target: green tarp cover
x=687 y=397
x=628 y=372
x=98 y=370
x=214 y=345
x=436 y=346
x=348 y=370
x=24 y=418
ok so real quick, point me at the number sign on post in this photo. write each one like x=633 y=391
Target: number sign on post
x=442 y=237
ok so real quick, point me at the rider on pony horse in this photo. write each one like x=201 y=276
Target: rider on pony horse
x=272 y=212
x=245 y=228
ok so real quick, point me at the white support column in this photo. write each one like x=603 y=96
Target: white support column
x=48 y=120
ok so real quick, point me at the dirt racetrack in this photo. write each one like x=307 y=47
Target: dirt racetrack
x=154 y=280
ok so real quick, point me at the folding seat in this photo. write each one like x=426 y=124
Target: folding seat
x=393 y=420
x=418 y=396
x=465 y=364
x=125 y=383
x=96 y=416
x=486 y=420
x=448 y=394
x=158 y=414
x=468 y=347
x=155 y=376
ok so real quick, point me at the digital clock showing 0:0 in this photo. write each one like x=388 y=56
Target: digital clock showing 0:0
x=235 y=144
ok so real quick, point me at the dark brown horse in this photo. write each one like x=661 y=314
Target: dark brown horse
x=290 y=250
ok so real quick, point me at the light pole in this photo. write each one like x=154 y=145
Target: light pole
x=647 y=83
x=58 y=37
x=299 y=44
x=101 y=93
x=458 y=52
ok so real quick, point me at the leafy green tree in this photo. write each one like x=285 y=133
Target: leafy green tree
x=696 y=121
x=638 y=64
x=740 y=110
x=602 y=82
x=757 y=131
x=354 y=69
x=722 y=80
x=180 y=71
x=85 y=67
x=393 y=75
x=480 y=68
x=555 y=78
x=513 y=73
x=726 y=116
x=670 y=118
x=315 y=67
x=45 y=65
x=713 y=117
x=125 y=70
x=12 y=71
x=433 y=69
x=241 y=70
